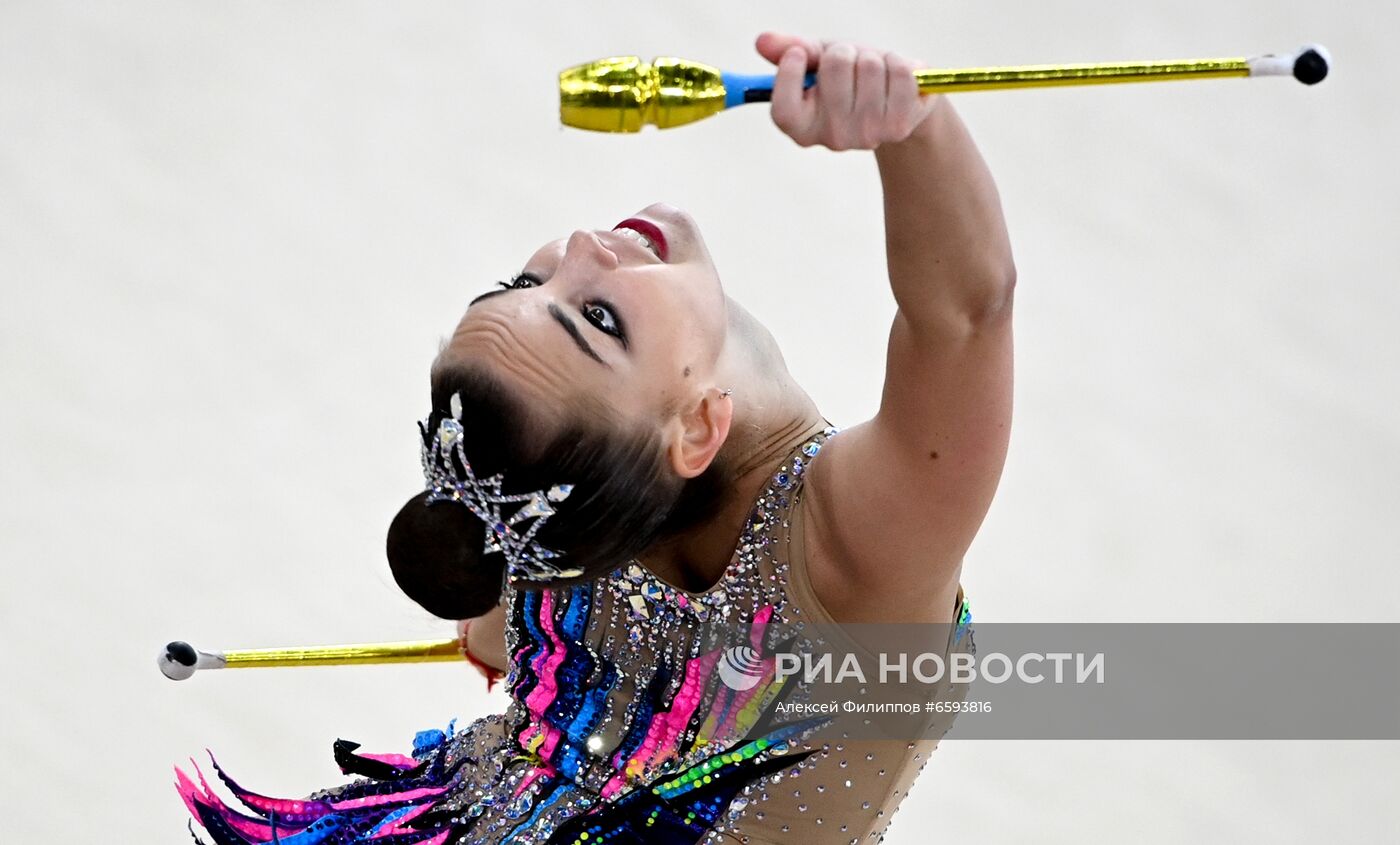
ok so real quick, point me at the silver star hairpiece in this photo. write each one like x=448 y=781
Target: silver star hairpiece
x=513 y=534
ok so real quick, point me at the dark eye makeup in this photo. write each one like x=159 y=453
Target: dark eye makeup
x=600 y=313
x=603 y=316
x=521 y=280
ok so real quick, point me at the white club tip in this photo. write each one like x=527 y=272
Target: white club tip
x=178 y=661
x=1309 y=64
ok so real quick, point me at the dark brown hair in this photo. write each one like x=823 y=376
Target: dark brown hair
x=625 y=496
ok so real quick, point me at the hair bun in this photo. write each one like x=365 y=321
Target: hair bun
x=435 y=553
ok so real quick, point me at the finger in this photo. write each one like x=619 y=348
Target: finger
x=868 y=109
x=903 y=104
x=836 y=79
x=791 y=111
x=774 y=45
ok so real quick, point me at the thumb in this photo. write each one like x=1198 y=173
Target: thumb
x=772 y=46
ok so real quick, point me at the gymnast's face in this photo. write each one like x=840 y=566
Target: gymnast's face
x=631 y=320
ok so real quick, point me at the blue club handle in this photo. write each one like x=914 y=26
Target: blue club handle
x=740 y=88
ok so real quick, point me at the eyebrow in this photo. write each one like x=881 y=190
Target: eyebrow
x=563 y=319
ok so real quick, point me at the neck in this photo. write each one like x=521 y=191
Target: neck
x=771 y=414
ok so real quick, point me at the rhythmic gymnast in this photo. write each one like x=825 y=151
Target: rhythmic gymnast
x=621 y=445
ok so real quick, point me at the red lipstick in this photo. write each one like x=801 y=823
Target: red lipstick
x=648 y=230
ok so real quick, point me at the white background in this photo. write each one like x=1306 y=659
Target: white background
x=232 y=234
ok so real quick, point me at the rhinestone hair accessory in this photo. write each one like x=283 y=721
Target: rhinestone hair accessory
x=510 y=534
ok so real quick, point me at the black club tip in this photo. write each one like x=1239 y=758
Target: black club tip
x=1310 y=67
x=182 y=653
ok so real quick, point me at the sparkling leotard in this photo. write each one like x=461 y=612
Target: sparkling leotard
x=627 y=724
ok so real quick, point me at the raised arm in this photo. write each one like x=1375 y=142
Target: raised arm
x=896 y=501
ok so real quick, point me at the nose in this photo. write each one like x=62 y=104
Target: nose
x=584 y=247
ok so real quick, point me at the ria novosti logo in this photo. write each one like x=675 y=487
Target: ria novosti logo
x=741 y=668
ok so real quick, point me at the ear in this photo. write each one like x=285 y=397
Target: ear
x=699 y=433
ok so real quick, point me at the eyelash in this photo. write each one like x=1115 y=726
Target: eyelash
x=521 y=281
x=618 y=331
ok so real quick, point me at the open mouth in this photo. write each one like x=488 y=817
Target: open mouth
x=646 y=233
